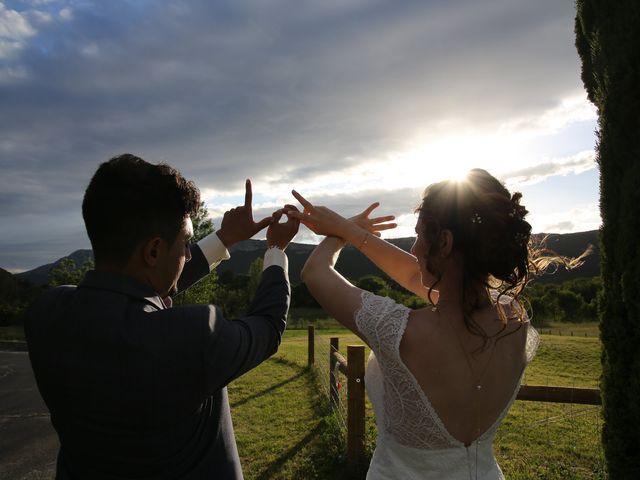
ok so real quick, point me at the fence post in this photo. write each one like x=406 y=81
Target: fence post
x=311 y=354
x=333 y=384
x=355 y=405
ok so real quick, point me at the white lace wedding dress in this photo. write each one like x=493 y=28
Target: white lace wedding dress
x=412 y=441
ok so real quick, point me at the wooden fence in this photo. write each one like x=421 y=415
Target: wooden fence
x=353 y=368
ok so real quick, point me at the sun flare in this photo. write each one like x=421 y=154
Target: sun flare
x=452 y=157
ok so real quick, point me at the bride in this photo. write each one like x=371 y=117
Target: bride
x=441 y=379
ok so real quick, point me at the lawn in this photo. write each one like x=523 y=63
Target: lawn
x=283 y=426
x=586 y=329
x=285 y=430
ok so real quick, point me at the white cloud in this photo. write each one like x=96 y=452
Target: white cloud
x=8 y=48
x=39 y=17
x=14 y=30
x=578 y=219
x=90 y=50
x=66 y=14
x=10 y=75
x=572 y=109
x=13 y=24
x=574 y=164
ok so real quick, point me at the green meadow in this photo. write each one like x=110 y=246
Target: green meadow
x=286 y=430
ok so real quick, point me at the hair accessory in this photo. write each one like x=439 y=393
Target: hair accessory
x=476 y=218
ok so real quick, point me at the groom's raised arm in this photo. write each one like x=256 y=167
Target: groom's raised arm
x=237 y=225
x=235 y=347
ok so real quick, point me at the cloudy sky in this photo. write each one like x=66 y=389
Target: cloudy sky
x=348 y=101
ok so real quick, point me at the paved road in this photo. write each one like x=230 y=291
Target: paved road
x=28 y=443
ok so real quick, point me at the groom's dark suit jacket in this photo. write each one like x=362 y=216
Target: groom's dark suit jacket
x=138 y=390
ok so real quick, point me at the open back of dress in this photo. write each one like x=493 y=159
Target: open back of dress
x=412 y=441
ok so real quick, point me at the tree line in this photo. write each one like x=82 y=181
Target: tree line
x=571 y=301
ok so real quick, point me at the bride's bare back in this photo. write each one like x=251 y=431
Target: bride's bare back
x=432 y=350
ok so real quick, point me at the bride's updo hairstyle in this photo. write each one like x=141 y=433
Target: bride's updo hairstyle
x=490 y=232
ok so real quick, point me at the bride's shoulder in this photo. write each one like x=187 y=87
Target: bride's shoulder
x=381 y=320
x=423 y=321
x=376 y=310
x=377 y=304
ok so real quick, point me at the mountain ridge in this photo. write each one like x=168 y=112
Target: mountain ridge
x=354 y=264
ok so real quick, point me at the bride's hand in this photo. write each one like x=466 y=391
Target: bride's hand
x=373 y=225
x=320 y=220
x=324 y=221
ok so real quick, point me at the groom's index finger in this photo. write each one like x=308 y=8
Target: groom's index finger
x=303 y=201
x=248 y=195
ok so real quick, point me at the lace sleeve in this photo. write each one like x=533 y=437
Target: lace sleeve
x=381 y=322
x=533 y=341
x=533 y=338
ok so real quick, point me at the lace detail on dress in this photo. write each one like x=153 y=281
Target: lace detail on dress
x=533 y=338
x=378 y=320
x=533 y=341
x=409 y=416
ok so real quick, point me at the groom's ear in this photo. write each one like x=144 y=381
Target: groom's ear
x=151 y=251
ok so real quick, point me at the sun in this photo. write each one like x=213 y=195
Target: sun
x=452 y=156
x=458 y=174
x=443 y=159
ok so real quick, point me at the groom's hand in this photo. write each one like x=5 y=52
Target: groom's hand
x=237 y=223
x=280 y=234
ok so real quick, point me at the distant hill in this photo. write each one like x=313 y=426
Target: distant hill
x=353 y=264
x=15 y=295
x=40 y=275
x=10 y=286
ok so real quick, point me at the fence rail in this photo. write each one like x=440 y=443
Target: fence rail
x=583 y=396
x=353 y=367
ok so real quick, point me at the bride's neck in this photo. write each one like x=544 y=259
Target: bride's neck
x=451 y=297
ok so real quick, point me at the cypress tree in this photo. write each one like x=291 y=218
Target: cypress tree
x=608 y=41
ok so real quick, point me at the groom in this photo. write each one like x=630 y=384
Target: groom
x=137 y=389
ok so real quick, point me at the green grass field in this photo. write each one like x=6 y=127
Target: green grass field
x=283 y=426
x=285 y=430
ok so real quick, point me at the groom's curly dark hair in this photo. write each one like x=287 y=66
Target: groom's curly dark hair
x=128 y=200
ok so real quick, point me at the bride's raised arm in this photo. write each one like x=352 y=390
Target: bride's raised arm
x=362 y=232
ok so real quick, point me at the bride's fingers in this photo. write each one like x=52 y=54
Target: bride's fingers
x=303 y=201
x=367 y=211
x=303 y=218
x=297 y=214
x=309 y=225
x=385 y=226
x=386 y=218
